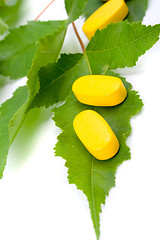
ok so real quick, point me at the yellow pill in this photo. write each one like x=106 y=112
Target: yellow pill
x=96 y=134
x=111 y=12
x=99 y=90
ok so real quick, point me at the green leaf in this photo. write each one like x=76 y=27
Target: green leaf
x=17 y=121
x=91 y=7
x=11 y=15
x=18 y=48
x=56 y=79
x=95 y=178
x=8 y=2
x=7 y=111
x=48 y=51
x=3 y=27
x=117 y=46
x=2 y=3
x=74 y=8
x=137 y=10
x=12 y=116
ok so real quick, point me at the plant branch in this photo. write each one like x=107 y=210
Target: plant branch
x=78 y=36
x=44 y=10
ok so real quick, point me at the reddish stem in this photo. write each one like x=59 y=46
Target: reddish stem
x=79 y=38
x=44 y=10
x=73 y=24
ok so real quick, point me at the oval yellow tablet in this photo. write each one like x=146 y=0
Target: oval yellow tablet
x=111 y=12
x=99 y=90
x=96 y=134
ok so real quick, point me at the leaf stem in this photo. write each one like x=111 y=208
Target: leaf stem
x=44 y=10
x=89 y=66
x=78 y=36
x=82 y=46
x=73 y=24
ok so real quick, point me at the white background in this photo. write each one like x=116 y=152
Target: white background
x=36 y=201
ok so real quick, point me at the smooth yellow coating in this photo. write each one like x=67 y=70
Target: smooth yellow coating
x=96 y=134
x=99 y=90
x=111 y=12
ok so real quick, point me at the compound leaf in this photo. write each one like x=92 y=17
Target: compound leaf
x=107 y=50
x=117 y=46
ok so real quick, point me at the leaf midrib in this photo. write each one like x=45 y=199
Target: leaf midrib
x=119 y=46
x=66 y=72
x=93 y=200
x=63 y=74
x=19 y=52
x=30 y=46
x=23 y=51
x=21 y=123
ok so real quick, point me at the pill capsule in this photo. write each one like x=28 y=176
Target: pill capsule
x=99 y=90
x=111 y=12
x=96 y=134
